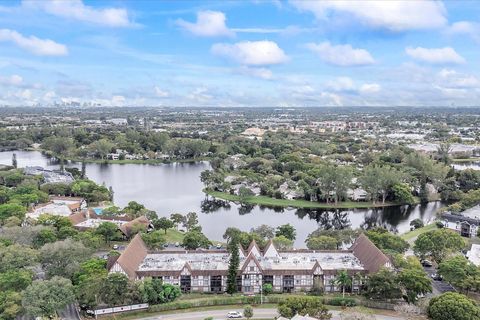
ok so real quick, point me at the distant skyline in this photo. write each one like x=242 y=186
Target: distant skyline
x=240 y=53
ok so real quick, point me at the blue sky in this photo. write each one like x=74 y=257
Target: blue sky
x=240 y=53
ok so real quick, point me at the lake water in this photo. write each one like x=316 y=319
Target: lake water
x=176 y=188
x=475 y=165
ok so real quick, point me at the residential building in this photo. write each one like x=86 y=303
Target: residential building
x=466 y=223
x=287 y=271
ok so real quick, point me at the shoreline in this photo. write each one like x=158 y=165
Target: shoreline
x=267 y=201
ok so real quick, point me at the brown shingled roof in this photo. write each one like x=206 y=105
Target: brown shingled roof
x=369 y=255
x=77 y=217
x=126 y=228
x=132 y=257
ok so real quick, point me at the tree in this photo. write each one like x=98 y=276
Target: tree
x=414 y=282
x=60 y=147
x=460 y=272
x=248 y=312
x=282 y=243
x=286 y=230
x=16 y=257
x=264 y=231
x=417 y=223
x=453 y=306
x=101 y=148
x=194 y=240
x=443 y=152
x=63 y=258
x=321 y=243
x=383 y=285
x=267 y=288
x=312 y=306
x=191 y=221
x=177 y=219
x=14 y=160
x=45 y=297
x=244 y=194
x=233 y=265
x=154 y=291
x=403 y=193
x=16 y=280
x=116 y=289
x=438 y=244
x=10 y=304
x=45 y=236
x=344 y=280
x=13 y=209
x=108 y=230
x=385 y=240
x=163 y=223
x=154 y=240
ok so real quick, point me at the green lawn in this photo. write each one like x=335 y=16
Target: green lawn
x=173 y=236
x=415 y=233
x=267 y=201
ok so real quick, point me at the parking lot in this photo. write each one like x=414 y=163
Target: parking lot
x=438 y=287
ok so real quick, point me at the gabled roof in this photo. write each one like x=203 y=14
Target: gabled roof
x=253 y=248
x=250 y=257
x=133 y=256
x=369 y=255
x=270 y=251
x=78 y=217
x=126 y=228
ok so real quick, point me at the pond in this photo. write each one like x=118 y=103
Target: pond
x=176 y=188
x=475 y=165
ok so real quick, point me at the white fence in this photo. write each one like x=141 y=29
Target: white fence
x=132 y=307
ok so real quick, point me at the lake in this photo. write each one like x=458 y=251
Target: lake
x=176 y=188
x=475 y=165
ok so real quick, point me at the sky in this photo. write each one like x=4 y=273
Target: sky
x=293 y=53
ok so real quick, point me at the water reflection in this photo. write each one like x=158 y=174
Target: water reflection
x=176 y=188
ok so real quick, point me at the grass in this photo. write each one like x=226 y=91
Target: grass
x=173 y=236
x=267 y=201
x=415 y=233
x=466 y=160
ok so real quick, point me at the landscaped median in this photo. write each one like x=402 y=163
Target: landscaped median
x=268 y=201
x=212 y=300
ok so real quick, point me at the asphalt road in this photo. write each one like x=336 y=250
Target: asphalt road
x=438 y=287
x=258 y=314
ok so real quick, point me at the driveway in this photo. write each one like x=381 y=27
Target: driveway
x=438 y=287
x=259 y=313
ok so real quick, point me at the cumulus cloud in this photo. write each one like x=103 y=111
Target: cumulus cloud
x=208 y=24
x=255 y=53
x=77 y=10
x=448 y=78
x=40 y=47
x=394 y=15
x=369 y=88
x=347 y=85
x=435 y=55
x=471 y=29
x=341 y=55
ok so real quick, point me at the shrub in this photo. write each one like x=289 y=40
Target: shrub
x=339 y=301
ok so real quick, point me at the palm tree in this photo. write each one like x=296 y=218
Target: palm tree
x=344 y=280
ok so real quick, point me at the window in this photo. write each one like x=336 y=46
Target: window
x=252 y=268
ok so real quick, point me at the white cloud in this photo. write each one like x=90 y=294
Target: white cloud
x=452 y=79
x=13 y=80
x=262 y=73
x=368 y=88
x=208 y=24
x=251 y=52
x=77 y=10
x=161 y=93
x=118 y=100
x=200 y=95
x=40 y=47
x=435 y=55
x=471 y=29
x=341 y=84
x=341 y=55
x=394 y=15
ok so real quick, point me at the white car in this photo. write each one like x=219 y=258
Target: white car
x=234 y=315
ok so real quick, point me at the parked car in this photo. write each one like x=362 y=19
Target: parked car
x=177 y=244
x=426 y=263
x=234 y=315
x=115 y=247
x=436 y=277
x=219 y=246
